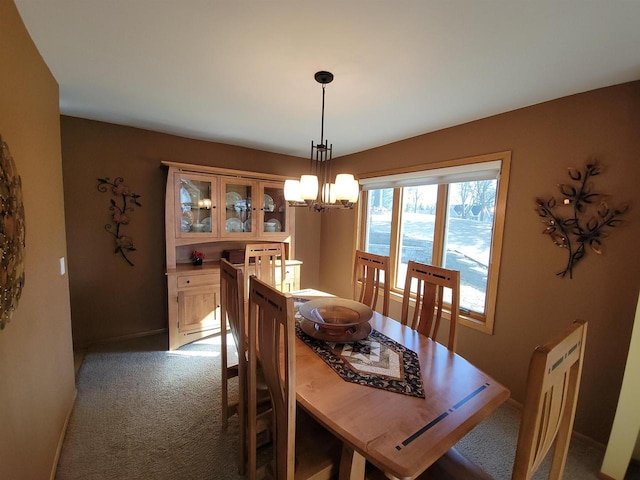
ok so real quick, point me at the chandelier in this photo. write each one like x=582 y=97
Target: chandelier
x=316 y=189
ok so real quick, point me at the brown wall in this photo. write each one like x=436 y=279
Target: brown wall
x=36 y=359
x=109 y=298
x=533 y=304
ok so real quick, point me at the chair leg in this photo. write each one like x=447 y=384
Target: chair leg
x=352 y=464
x=225 y=377
x=242 y=417
x=452 y=466
x=228 y=409
x=224 y=393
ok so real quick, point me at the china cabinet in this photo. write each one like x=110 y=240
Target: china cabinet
x=210 y=209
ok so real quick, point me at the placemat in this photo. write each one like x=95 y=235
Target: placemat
x=377 y=361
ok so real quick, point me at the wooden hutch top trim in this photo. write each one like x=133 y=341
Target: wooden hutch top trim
x=192 y=168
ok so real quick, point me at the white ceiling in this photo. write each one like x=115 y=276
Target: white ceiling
x=241 y=72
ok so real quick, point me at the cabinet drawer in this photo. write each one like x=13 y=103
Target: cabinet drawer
x=198 y=280
x=289 y=273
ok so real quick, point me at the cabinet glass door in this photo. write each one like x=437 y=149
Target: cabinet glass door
x=273 y=209
x=196 y=206
x=239 y=208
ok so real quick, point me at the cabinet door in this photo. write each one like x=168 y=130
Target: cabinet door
x=198 y=311
x=237 y=195
x=196 y=205
x=273 y=219
x=194 y=306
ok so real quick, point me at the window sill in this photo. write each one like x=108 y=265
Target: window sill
x=466 y=320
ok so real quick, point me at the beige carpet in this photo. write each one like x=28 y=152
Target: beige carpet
x=145 y=413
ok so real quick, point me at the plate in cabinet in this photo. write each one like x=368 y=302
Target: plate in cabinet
x=233 y=225
x=231 y=199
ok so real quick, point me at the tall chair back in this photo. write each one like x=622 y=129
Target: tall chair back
x=303 y=449
x=232 y=300
x=429 y=299
x=269 y=263
x=232 y=311
x=368 y=269
x=550 y=405
x=272 y=333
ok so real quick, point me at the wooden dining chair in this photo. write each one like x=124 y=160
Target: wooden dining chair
x=268 y=261
x=430 y=282
x=550 y=403
x=302 y=448
x=553 y=384
x=368 y=269
x=232 y=311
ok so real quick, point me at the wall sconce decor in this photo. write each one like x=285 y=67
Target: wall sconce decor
x=582 y=218
x=120 y=215
x=12 y=236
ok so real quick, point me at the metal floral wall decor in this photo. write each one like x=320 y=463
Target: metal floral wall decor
x=120 y=213
x=581 y=219
x=12 y=236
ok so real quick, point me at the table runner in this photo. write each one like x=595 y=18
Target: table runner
x=377 y=361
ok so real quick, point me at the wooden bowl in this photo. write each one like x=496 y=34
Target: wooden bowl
x=335 y=316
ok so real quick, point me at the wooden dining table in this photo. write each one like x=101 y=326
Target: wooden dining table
x=400 y=434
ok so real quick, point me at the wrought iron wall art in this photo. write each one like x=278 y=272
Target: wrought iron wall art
x=581 y=219
x=12 y=236
x=120 y=213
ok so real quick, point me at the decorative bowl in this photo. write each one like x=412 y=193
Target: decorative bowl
x=335 y=316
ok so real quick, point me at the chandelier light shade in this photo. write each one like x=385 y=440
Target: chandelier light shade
x=316 y=189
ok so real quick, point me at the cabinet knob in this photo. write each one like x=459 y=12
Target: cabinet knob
x=188 y=281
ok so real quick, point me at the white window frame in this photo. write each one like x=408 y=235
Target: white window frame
x=493 y=165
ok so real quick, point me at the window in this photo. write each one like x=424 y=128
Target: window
x=450 y=215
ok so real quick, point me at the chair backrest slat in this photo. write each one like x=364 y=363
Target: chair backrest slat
x=429 y=299
x=368 y=269
x=550 y=405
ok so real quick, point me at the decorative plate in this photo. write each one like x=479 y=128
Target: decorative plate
x=247 y=225
x=231 y=199
x=185 y=198
x=269 y=205
x=275 y=222
x=186 y=221
x=233 y=225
